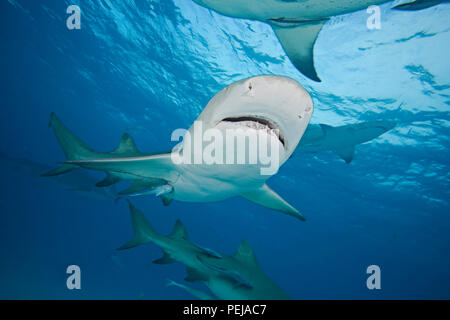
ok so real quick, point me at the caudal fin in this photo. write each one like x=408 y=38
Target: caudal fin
x=298 y=39
x=143 y=232
x=73 y=147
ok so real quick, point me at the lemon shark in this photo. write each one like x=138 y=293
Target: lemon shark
x=228 y=277
x=297 y=23
x=273 y=107
x=342 y=140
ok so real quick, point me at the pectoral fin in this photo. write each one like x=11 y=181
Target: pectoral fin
x=268 y=198
x=298 y=43
x=346 y=153
x=166 y=200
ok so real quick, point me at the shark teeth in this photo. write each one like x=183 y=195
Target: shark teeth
x=258 y=124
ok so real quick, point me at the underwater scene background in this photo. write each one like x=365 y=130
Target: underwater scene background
x=149 y=67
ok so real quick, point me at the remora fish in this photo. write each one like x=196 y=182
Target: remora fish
x=342 y=140
x=276 y=108
x=297 y=23
x=193 y=291
x=230 y=277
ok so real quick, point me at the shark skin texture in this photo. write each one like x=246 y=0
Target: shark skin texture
x=342 y=140
x=228 y=277
x=297 y=23
x=276 y=108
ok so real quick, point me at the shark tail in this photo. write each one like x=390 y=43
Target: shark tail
x=298 y=39
x=143 y=231
x=73 y=147
x=125 y=162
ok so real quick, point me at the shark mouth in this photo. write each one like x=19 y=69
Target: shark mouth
x=290 y=22
x=258 y=124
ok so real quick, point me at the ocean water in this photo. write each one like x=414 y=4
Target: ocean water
x=149 y=67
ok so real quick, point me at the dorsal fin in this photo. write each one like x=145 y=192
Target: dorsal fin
x=179 y=232
x=126 y=145
x=245 y=253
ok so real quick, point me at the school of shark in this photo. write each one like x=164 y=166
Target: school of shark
x=269 y=114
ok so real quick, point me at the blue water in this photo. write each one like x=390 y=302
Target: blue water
x=149 y=67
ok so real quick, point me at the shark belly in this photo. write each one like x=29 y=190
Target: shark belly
x=313 y=9
x=206 y=183
x=289 y=10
